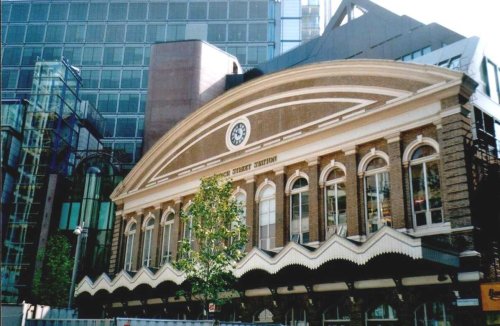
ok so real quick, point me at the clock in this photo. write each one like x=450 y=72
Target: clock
x=238 y=133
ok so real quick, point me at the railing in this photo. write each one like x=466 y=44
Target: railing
x=131 y=322
x=70 y=322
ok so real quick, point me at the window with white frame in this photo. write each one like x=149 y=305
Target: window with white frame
x=188 y=230
x=425 y=186
x=129 y=247
x=267 y=217
x=382 y=315
x=148 y=239
x=335 y=204
x=299 y=211
x=296 y=317
x=167 y=239
x=377 y=194
x=432 y=313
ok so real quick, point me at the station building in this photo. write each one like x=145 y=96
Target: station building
x=354 y=178
x=369 y=186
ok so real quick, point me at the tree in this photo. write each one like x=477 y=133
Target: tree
x=51 y=284
x=215 y=239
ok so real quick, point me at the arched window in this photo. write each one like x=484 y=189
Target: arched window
x=187 y=232
x=129 y=247
x=425 y=186
x=375 y=171
x=337 y=315
x=148 y=239
x=265 y=316
x=267 y=217
x=382 y=315
x=167 y=240
x=335 y=204
x=432 y=313
x=296 y=317
x=299 y=211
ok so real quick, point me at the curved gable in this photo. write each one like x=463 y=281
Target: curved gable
x=278 y=107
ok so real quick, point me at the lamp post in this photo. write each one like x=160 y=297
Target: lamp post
x=80 y=232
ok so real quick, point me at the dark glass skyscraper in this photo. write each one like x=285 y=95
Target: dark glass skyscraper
x=110 y=40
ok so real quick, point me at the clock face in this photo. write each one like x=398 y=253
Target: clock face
x=238 y=133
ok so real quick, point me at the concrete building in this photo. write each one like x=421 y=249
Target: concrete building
x=369 y=186
x=110 y=41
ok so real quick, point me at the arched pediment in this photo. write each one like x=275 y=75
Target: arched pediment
x=278 y=107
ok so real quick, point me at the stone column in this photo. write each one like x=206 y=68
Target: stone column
x=137 y=252
x=156 y=241
x=252 y=220
x=396 y=183
x=176 y=231
x=281 y=221
x=314 y=215
x=355 y=224
x=117 y=252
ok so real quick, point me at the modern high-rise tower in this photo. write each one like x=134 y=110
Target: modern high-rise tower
x=110 y=40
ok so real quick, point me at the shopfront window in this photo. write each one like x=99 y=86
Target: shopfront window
x=432 y=313
x=338 y=315
x=382 y=315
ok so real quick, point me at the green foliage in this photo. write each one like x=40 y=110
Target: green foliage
x=51 y=284
x=218 y=239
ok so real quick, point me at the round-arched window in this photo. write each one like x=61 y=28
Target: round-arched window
x=299 y=211
x=335 y=204
x=267 y=217
x=377 y=194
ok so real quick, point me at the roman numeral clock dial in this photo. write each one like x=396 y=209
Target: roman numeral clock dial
x=238 y=133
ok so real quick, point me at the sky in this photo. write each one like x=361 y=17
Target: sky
x=467 y=17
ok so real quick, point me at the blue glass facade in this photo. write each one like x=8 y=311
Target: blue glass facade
x=110 y=40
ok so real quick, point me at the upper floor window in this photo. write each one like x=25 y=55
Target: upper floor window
x=375 y=171
x=148 y=239
x=187 y=232
x=167 y=239
x=423 y=159
x=129 y=247
x=267 y=216
x=335 y=200
x=299 y=211
x=241 y=200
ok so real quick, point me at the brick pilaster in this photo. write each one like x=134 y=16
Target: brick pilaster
x=116 y=260
x=139 y=233
x=354 y=223
x=252 y=220
x=454 y=179
x=314 y=216
x=281 y=221
x=396 y=183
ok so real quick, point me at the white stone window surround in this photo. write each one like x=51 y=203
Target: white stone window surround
x=167 y=223
x=325 y=183
x=378 y=172
x=262 y=197
x=289 y=191
x=130 y=231
x=428 y=228
x=147 y=227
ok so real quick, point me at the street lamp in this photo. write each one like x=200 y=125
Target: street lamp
x=80 y=233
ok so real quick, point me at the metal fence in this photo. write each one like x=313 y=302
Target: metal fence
x=131 y=322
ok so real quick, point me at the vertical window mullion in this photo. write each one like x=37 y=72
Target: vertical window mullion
x=426 y=189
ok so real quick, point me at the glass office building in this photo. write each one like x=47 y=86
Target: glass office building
x=110 y=40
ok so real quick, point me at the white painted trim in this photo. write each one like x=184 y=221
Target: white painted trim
x=373 y=153
x=146 y=220
x=244 y=120
x=329 y=168
x=419 y=141
x=259 y=189
x=297 y=175
x=129 y=224
x=167 y=212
